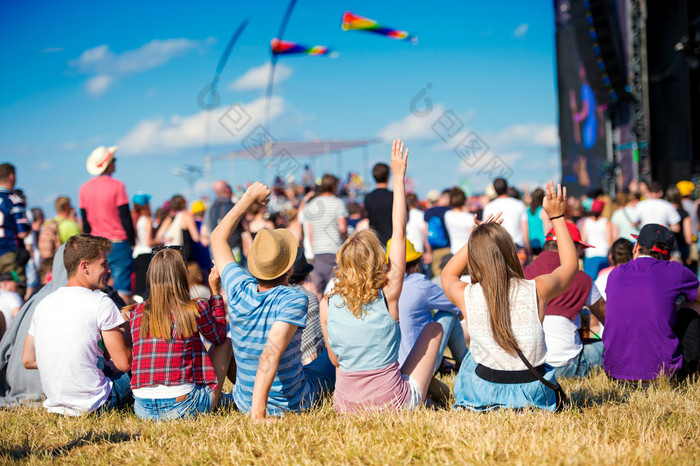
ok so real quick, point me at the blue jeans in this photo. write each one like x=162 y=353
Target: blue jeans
x=122 y=264
x=590 y=356
x=593 y=265
x=321 y=375
x=452 y=336
x=199 y=400
x=119 y=394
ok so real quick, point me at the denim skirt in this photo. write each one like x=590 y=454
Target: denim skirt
x=473 y=392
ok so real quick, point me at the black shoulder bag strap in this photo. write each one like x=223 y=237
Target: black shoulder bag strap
x=562 y=398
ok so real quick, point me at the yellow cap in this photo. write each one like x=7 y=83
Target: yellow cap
x=411 y=253
x=685 y=187
x=197 y=207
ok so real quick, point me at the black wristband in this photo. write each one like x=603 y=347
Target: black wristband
x=554 y=218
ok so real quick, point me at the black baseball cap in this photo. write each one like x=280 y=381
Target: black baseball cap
x=653 y=234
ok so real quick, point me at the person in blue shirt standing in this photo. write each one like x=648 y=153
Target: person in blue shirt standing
x=14 y=225
x=419 y=298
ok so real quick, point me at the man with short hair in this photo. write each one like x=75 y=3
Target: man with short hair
x=326 y=218
x=655 y=209
x=514 y=214
x=67 y=331
x=379 y=202
x=104 y=207
x=267 y=318
x=14 y=225
x=221 y=205
x=647 y=334
x=56 y=231
x=566 y=352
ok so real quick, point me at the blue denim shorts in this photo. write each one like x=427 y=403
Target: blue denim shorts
x=122 y=264
x=199 y=400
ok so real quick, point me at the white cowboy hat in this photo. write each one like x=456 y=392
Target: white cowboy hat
x=99 y=159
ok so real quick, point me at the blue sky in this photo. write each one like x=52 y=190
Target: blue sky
x=77 y=75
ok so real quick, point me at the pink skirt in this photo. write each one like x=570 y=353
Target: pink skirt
x=374 y=390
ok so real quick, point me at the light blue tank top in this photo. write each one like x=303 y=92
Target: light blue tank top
x=369 y=343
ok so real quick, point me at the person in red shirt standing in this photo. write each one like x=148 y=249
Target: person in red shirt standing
x=104 y=207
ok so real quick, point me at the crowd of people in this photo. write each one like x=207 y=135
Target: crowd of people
x=298 y=292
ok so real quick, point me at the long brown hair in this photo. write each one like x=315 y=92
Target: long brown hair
x=493 y=261
x=361 y=272
x=169 y=310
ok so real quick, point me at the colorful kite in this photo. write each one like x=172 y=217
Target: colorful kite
x=283 y=47
x=351 y=21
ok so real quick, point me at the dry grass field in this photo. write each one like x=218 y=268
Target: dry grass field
x=607 y=424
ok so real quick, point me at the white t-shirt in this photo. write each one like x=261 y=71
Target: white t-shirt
x=66 y=328
x=9 y=301
x=322 y=214
x=561 y=334
x=655 y=211
x=414 y=228
x=596 y=236
x=514 y=213
x=459 y=226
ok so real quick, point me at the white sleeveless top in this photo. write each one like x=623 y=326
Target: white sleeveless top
x=173 y=235
x=141 y=246
x=596 y=236
x=525 y=323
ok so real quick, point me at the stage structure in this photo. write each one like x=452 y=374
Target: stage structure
x=627 y=74
x=288 y=158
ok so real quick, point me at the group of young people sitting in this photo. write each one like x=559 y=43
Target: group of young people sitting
x=91 y=356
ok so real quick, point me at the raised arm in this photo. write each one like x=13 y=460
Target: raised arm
x=397 y=252
x=221 y=251
x=553 y=284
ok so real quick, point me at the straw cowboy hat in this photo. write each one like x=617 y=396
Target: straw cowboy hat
x=273 y=253
x=100 y=159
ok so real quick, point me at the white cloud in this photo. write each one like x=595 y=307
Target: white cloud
x=256 y=77
x=521 y=30
x=527 y=134
x=412 y=127
x=159 y=135
x=107 y=66
x=98 y=85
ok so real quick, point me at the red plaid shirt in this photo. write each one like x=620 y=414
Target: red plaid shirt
x=177 y=361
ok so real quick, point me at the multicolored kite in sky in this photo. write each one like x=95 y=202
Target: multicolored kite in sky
x=283 y=47
x=351 y=21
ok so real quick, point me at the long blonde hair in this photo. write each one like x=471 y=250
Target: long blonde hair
x=361 y=272
x=493 y=261
x=169 y=309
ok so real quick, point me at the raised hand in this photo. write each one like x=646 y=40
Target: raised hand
x=399 y=158
x=554 y=203
x=214 y=281
x=258 y=192
x=490 y=219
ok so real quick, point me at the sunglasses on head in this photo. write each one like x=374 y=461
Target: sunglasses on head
x=157 y=249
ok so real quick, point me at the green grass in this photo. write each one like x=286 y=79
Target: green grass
x=608 y=423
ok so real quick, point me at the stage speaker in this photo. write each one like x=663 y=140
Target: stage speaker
x=600 y=48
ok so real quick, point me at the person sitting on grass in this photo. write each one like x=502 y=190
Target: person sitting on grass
x=647 y=333
x=65 y=332
x=360 y=319
x=504 y=314
x=266 y=318
x=419 y=298
x=172 y=374
x=570 y=355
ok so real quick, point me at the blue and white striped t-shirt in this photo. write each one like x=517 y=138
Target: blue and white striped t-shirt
x=251 y=315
